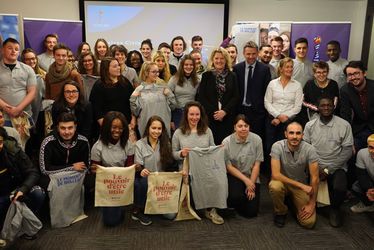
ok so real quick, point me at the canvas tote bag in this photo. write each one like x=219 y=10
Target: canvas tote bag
x=163 y=192
x=114 y=186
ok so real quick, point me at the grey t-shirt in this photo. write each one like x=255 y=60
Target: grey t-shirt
x=146 y=156
x=14 y=84
x=180 y=141
x=243 y=155
x=88 y=82
x=294 y=165
x=208 y=177
x=111 y=155
x=45 y=61
x=131 y=75
x=365 y=161
x=183 y=94
x=302 y=71
x=329 y=140
x=152 y=101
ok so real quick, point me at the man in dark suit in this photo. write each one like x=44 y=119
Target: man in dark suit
x=357 y=103
x=253 y=78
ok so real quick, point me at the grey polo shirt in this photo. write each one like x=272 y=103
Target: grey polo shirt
x=183 y=94
x=146 y=156
x=294 y=165
x=329 y=140
x=112 y=155
x=14 y=84
x=243 y=155
x=364 y=161
x=131 y=75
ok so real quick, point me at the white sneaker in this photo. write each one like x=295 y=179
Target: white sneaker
x=214 y=217
x=361 y=207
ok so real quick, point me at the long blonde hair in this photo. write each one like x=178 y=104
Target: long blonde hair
x=166 y=70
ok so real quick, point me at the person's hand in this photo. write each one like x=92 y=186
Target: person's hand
x=166 y=91
x=282 y=118
x=17 y=195
x=184 y=152
x=250 y=194
x=93 y=168
x=219 y=115
x=13 y=111
x=250 y=185
x=275 y=122
x=307 y=211
x=136 y=94
x=307 y=189
x=370 y=194
x=79 y=166
x=144 y=173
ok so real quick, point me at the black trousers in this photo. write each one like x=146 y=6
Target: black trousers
x=238 y=199
x=337 y=183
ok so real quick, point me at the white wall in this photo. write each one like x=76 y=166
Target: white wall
x=240 y=10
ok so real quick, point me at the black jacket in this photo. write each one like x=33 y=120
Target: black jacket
x=24 y=174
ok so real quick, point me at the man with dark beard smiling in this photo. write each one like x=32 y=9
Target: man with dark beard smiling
x=332 y=138
x=357 y=104
x=293 y=162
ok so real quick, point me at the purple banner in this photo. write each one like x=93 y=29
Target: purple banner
x=318 y=35
x=69 y=33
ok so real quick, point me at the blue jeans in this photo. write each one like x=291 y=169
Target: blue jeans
x=140 y=191
x=176 y=117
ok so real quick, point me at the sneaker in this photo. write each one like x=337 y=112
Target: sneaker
x=2 y=243
x=142 y=218
x=361 y=207
x=280 y=220
x=335 y=218
x=214 y=217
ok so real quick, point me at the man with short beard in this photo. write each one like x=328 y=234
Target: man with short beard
x=264 y=55
x=46 y=59
x=336 y=63
x=357 y=103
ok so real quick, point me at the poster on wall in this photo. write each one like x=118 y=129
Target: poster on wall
x=69 y=32
x=319 y=34
x=243 y=32
x=9 y=26
x=270 y=30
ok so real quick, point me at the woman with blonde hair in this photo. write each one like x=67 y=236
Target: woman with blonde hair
x=218 y=93
x=150 y=98
x=163 y=67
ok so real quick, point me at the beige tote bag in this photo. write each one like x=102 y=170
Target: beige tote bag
x=163 y=192
x=114 y=186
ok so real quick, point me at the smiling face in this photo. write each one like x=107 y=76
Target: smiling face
x=371 y=149
x=232 y=53
x=152 y=74
x=321 y=75
x=193 y=116
x=250 y=55
x=61 y=57
x=120 y=56
x=277 y=48
x=188 y=67
x=88 y=63
x=356 y=76
x=146 y=51
x=50 y=42
x=101 y=49
x=294 y=135
x=116 y=129
x=301 y=50
x=286 y=43
x=197 y=45
x=266 y=53
x=160 y=63
x=85 y=49
x=241 y=129
x=71 y=94
x=155 y=130
x=66 y=130
x=166 y=52
x=219 y=62
x=10 y=52
x=287 y=70
x=326 y=107
x=333 y=52
x=30 y=59
x=178 y=47
x=135 y=61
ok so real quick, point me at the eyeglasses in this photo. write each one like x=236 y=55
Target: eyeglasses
x=355 y=74
x=68 y=92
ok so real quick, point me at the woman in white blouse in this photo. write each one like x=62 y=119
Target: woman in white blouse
x=283 y=100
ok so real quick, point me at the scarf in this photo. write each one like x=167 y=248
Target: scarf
x=54 y=76
x=220 y=83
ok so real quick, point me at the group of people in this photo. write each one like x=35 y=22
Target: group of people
x=152 y=109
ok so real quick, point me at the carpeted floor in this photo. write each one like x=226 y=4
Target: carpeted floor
x=236 y=233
